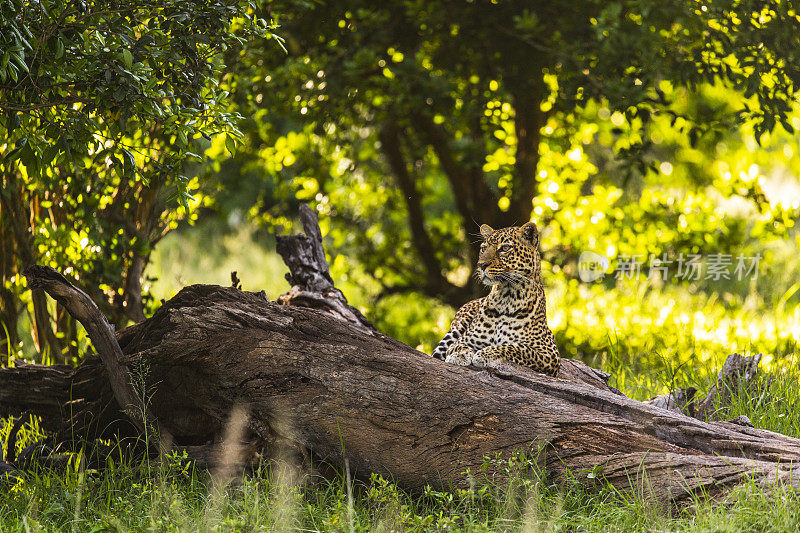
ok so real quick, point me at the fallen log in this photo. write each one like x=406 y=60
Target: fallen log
x=321 y=386
x=330 y=390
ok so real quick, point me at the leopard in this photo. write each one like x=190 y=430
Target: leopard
x=510 y=323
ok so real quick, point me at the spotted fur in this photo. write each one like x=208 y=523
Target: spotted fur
x=511 y=322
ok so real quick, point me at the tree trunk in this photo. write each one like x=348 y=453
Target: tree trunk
x=132 y=292
x=17 y=214
x=528 y=120
x=435 y=282
x=332 y=389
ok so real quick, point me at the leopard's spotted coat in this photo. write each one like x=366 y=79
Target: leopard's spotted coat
x=510 y=323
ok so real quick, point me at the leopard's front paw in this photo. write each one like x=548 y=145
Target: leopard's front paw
x=481 y=359
x=459 y=355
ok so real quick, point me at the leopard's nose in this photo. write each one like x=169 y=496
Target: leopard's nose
x=483 y=265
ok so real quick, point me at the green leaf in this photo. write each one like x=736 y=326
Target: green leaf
x=129 y=160
x=230 y=144
x=101 y=155
x=15 y=153
x=12 y=121
x=49 y=154
x=25 y=44
x=127 y=58
x=20 y=60
x=117 y=166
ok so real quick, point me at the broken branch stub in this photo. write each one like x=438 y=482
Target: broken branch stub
x=309 y=275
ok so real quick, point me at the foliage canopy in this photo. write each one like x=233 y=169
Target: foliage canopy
x=102 y=103
x=411 y=123
x=623 y=127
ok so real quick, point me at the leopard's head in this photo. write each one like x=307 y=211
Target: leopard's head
x=509 y=255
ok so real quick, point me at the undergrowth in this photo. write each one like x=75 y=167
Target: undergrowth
x=175 y=497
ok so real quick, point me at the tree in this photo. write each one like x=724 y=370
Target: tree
x=104 y=104
x=415 y=121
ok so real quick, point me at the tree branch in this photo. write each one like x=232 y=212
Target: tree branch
x=474 y=199
x=102 y=336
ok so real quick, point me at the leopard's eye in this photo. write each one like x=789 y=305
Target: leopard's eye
x=505 y=247
x=483 y=247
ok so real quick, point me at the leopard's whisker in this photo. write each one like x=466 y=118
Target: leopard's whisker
x=511 y=280
x=519 y=281
x=521 y=277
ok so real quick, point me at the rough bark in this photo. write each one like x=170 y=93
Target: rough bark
x=312 y=285
x=133 y=288
x=738 y=371
x=41 y=389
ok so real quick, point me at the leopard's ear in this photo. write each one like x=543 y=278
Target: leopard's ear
x=486 y=231
x=529 y=233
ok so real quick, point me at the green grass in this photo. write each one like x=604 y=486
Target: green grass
x=772 y=403
x=653 y=339
x=173 y=497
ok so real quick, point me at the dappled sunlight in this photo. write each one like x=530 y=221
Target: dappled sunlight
x=155 y=145
x=633 y=326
